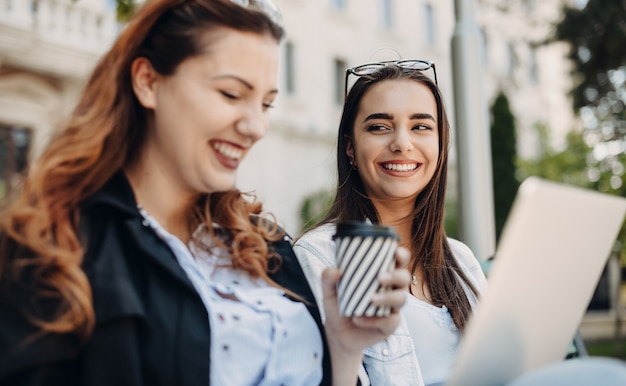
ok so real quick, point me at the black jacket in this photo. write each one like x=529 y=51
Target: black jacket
x=151 y=325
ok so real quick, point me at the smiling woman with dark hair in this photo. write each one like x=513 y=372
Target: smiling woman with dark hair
x=130 y=258
x=392 y=163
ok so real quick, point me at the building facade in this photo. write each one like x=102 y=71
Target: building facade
x=48 y=48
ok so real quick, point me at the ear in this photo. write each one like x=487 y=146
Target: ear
x=350 y=150
x=144 y=80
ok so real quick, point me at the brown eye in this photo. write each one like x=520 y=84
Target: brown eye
x=376 y=128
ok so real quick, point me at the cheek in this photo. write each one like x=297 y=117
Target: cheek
x=367 y=151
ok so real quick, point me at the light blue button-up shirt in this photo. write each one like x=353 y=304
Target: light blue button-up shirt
x=258 y=336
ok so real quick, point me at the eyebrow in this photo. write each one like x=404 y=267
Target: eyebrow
x=242 y=81
x=390 y=117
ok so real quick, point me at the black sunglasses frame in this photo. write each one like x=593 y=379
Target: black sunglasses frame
x=405 y=63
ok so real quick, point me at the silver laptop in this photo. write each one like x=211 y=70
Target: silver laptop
x=551 y=254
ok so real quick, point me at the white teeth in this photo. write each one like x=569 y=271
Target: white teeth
x=400 y=167
x=228 y=151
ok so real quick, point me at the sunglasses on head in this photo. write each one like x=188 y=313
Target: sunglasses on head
x=266 y=7
x=370 y=68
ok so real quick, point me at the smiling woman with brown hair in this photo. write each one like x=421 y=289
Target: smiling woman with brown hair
x=130 y=258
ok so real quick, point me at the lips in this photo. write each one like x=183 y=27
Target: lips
x=400 y=167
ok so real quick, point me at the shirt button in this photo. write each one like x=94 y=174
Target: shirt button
x=145 y=223
x=385 y=352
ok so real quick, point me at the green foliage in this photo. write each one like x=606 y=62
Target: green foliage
x=125 y=9
x=451 y=218
x=567 y=166
x=503 y=155
x=597 y=34
x=574 y=166
x=597 y=37
x=314 y=207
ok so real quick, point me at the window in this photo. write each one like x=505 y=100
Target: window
x=339 y=5
x=510 y=59
x=386 y=13
x=429 y=24
x=290 y=68
x=340 y=73
x=533 y=67
x=485 y=46
x=14 y=147
x=528 y=7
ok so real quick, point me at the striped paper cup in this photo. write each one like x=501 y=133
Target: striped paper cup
x=362 y=252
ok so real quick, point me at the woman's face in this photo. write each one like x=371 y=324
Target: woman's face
x=396 y=140
x=210 y=112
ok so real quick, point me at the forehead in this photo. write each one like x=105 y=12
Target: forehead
x=399 y=95
x=230 y=49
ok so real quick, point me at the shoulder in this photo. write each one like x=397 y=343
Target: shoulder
x=317 y=241
x=468 y=262
x=462 y=252
x=322 y=234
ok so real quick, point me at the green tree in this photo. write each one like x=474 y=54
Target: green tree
x=314 y=207
x=568 y=166
x=503 y=155
x=596 y=34
x=573 y=166
x=124 y=9
x=597 y=37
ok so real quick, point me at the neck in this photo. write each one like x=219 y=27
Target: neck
x=397 y=214
x=159 y=197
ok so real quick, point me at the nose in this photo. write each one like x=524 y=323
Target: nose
x=401 y=141
x=253 y=125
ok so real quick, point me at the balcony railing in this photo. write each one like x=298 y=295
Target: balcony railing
x=85 y=25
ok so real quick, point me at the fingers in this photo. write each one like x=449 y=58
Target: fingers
x=330 y=277
x=394 y=299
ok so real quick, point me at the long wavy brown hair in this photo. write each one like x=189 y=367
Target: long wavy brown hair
x=429 y=246
x=40 y=249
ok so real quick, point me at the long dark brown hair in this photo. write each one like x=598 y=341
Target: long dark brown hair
x=429 y=246
x=40 y=248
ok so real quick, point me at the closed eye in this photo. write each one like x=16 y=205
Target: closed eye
x=229 y=95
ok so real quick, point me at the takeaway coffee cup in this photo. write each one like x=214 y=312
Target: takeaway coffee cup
x=363 y=251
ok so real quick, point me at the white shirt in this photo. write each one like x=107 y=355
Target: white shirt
x=258 y=336
x=435 y=338
x=404 y=357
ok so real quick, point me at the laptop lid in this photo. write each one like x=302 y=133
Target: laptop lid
x=551 y=254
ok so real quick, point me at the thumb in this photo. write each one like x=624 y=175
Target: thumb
x=330 y=277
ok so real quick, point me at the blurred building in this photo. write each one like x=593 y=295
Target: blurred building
x=324 y=37
x=48 y=47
